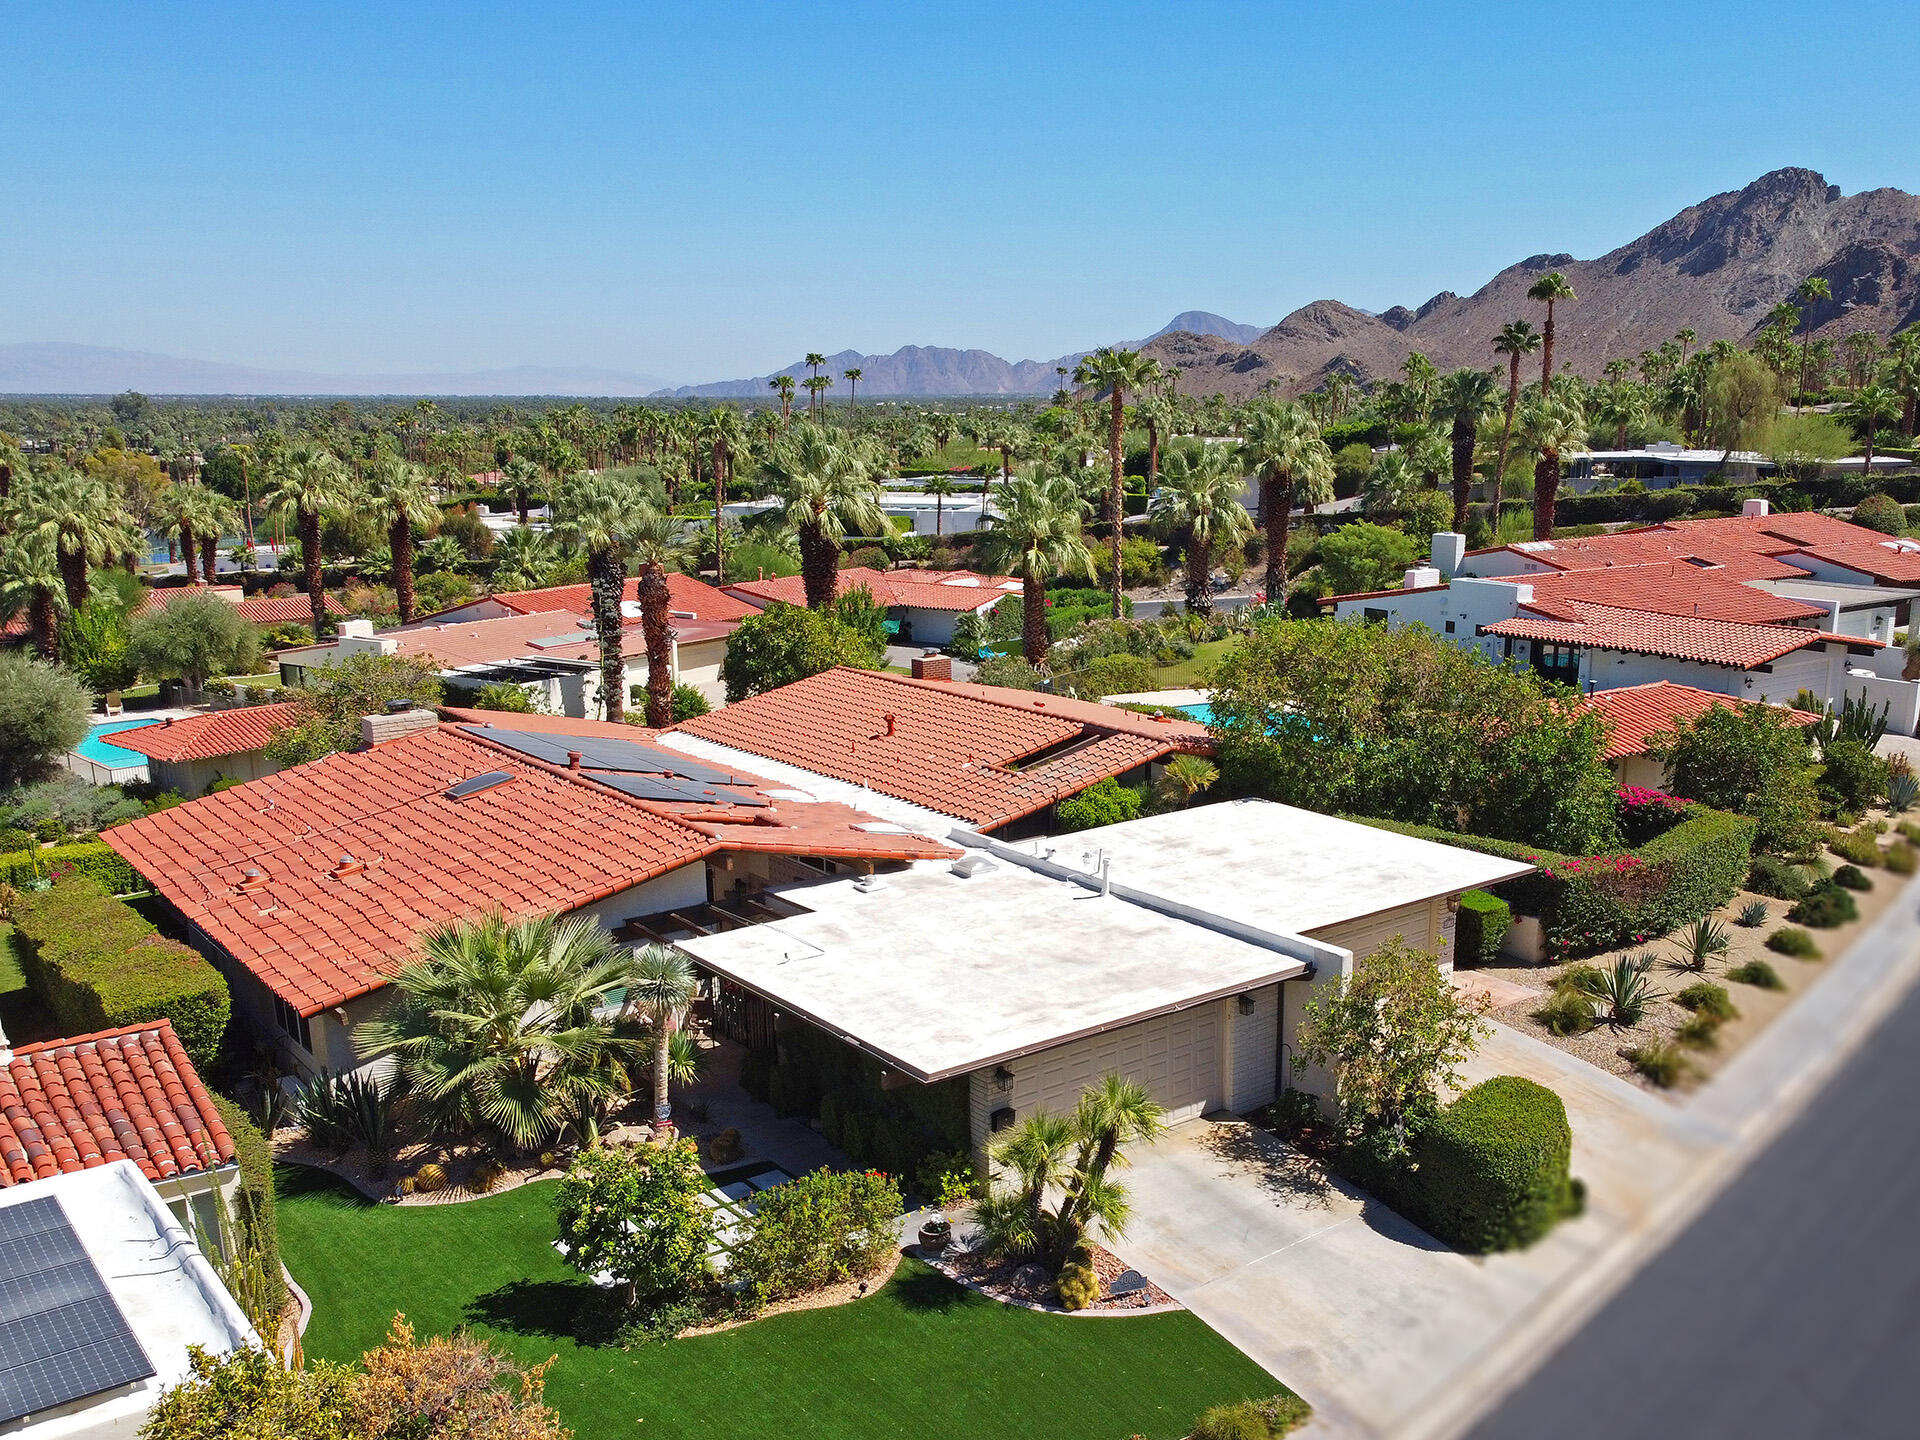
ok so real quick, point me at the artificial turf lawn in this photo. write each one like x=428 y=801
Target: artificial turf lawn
x=1197 y=670
x=921 y=1357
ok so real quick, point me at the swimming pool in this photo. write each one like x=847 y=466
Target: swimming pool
x=1203 y=713
x=96 y=749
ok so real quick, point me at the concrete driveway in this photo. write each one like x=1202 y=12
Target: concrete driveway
x=1362 y=1313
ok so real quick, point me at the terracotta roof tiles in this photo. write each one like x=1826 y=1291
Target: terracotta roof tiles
x=1709 y=642
x=917 y=589
x=211 y=736
x=1635 y=712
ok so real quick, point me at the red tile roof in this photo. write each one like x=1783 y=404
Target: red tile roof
x=208 y=737
x=128 y=1094
x=1736 y=560
x=259 y=609
x=919 y=589
x=1635 y=712
x=1709 y=642
x=951 y=748
x=548 y=840
x=691 y=597
x=1664 y=588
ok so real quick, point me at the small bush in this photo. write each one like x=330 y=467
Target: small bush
x=1703 y=997
x=12 y=841
x=95 y=859
x=1566 y=1012
x=1757 y=973
x=1752 y=915
x=1253 y=1419
x=1825 y=908
x=430 y=1178
x=1663 y=1064
x=1852 y=877
x=817 y=1229
x=1077 y=1287
x=688 y=703
x=1108 y=803
x=1483 y=923
x=1901 y=858
x=1493 y=1166
x=1862 y=847
x=1700 y=1031
x=485 y=1176
x=1797 y=943
x=1771 y=875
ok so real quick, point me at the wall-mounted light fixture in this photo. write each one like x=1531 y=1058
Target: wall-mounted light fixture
x=1246 y=1004
x=1002 y=1077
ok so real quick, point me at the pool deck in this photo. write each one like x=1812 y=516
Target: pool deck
x=1172 y=699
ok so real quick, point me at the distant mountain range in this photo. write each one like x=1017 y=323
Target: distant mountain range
x=54 y=368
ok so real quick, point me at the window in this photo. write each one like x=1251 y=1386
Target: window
x=293 y=1023
x=1449 y=627
x=1374 y=615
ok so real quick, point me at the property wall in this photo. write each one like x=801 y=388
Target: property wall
x=928 y=627
x=1641 y=770
x=1252 y=1049
x=701 y=660
x=672 y=891
x=1427 y=924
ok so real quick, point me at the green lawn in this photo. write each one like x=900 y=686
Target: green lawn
x=920 y=1357
x=1193 y=674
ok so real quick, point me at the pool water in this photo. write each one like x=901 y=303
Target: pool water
x=96 y=748
x=1201 y=712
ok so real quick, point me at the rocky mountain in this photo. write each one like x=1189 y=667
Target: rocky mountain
x=53 y=368
x=1717 y=267
x=1205 y=322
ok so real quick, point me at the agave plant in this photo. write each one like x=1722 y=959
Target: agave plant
x=342 y=1111
x=1903 y=791
x=1625 y=990
x=1752 y=915
x=1703 y=940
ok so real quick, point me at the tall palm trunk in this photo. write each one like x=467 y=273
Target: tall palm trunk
x=316 y=576
x=44 y=622
x=209 y=553
x=1153 y=453
x=1118 y=492
x=73 y=577
x=1546 y=353
x=191 y=555
x=720 y=460
x=1199 y=576
x=607 y=577
x=819 y=566
x=1506 y=430
x=1546 y=491
x=1033 y=617
x=400 y=545
x=1276 y=516
x=655 y=598
x=662 y=1107
x=1465 y=437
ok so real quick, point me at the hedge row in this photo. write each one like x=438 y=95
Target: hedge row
x=1491 y=1171
x=1679 y=501
x=97 y=965
x=95 y=859
x=1597 y=902
x=254 y=1209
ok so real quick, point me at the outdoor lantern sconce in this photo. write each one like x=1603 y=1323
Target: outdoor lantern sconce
x=1000 y=1119
x=1245 y=1003
x=1002 y=1077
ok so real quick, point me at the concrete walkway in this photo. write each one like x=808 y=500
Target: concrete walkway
x=1387 y=1331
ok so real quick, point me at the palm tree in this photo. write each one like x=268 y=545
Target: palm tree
x=521 y=558
x=599 y=514
x=1113 y=1113
x=1036 y=535
x=1549 y=289
x=815 y=361
x=178 y=514
x=397 y=491
x=1872 y=408
x=825 y=490
x=1466 y=399
x=726 y=433
x=656 y=543
x=1551 y=425
x=1284 y=448
x=1421 y=379
x=783 y=385
x=940 y=487
x=520 y=482
x=1185 y=776
x=1621 y=404
x=815 y=385
x=1200 y=500
x=80 y=516
x=1903 y=375
x=214 y=515
x=853 y=378
x=1686 y=335
x=1116 y=371
x=1810 y=292
x=30 y=580
x=1516 y=338
x=661 y=988
x=1390 y=484
x=501 y=1023
x=308 y=484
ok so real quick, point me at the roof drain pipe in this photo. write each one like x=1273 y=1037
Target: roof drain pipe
x=1106 y=873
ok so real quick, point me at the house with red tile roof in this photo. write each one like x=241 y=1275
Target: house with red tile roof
x=994 y=759
x=1635 y=713
x=924 y=604
x=189 y=753
x=310 y=887
x=259 y=609
x=689 y=598
x=128 y=1094
x=1756 y=607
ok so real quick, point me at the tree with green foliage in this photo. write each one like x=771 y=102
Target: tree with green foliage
x=1742 y=399
x=1750 y=759
x=600 y=514
x=192 y=639
x=1550 y=290
x=309 y=484
x=1516 y=339
x=30 y=582
x=1106 y=803
x=43 y=714
x=1199 y=503
x=1394 y=1033
x=1466 y=399
x=826 y=490
x=93 y=644
x=336 y=697
x=637 y=1215
x=1282 y=445
x=1809 y=293
x=1871 y=410
x=661 y=989
x=397 y=491
x=1116 y=371
x=1364 y=556
x=1551 y=426
x=785 y=643
x=81 y=518
x=1881 y=512
x=1035 y=534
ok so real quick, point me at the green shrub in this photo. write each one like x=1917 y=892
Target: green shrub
x=1663 y=1064
x=1825 y=908
x=1107 y=675
x=1771 y=875
x=13 y=841
x=1901 y=858
x=1077 y=1287
x=1757 y=973
x=253 y=1208
x=1483 y=923
x=1703 y=997
x=818 y=1229
x=1752 y=915
x=1797 y=943
x=97 y=965
x=1567 y=1012
x=688 y=703
x=1253 y=1419
x=1492 y=1167
x=1852 y=775
x=1862 y=847
x=1107 y=803
x=95 y=859
x=1701 y=1031
x=1882 y=513
x=1851 y=877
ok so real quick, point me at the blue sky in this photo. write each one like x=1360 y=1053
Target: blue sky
x=701 y=191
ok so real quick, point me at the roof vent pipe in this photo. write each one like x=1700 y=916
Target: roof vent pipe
x=890 y=718
x=1106 y=873
x=573 y=759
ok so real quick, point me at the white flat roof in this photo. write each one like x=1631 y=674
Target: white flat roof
x=1276 y=867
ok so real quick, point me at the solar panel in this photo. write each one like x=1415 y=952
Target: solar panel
x=667 y=787
x=599 y=754
x=62 y=1337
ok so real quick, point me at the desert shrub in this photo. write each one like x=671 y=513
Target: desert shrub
x=1661 y=1063
x=816 y=1230
x=1757 y=973
x=1253 y=1419
x=96 y=964
x=12 y=841
x=1492 y=1167
x=1077 y=1286
x=1107 y=803
x=1107 y=675
x=1625 y=990
x=1482 y=924
x=688 y=703
x=1752 y=915
x=43 y=711
x=1861 y=847
x=1851 y=877
x=1771 y=875
x=1825 y=908
x=1567 y=1012
x=1703 y=997
x=1881 y=512
x=1011 y=671
x=1798 y=943
x=1851 y=774
x=1700 y=1031
x=1900 y=857
x=94 y=859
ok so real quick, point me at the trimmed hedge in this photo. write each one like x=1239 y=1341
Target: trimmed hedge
x=95 y=859
x=1492 y=1168
x=1482 y=925
x=253 y=1208
x=97 y=965
x=1593 y=903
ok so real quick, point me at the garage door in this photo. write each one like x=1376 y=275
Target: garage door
x=1177 y=1057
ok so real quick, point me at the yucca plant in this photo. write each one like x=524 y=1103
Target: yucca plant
x=323 y=1111
x=1752 y=915
x=1625 y=990
x=1703 y=940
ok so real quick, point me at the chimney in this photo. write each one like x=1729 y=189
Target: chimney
x=932 y=666
x=1420 y=577
x=1449 y=550
x=357 y=629
x=1755 y=508
x=392 y=724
